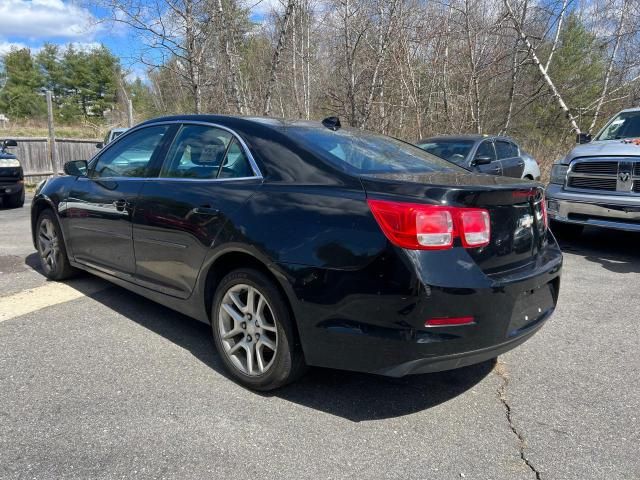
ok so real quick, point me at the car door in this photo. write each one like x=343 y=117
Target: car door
x=206 y=175
x=100 y=206
x=486 y=150
x=509 y=158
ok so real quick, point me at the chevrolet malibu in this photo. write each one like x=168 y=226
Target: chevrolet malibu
x=305 y=243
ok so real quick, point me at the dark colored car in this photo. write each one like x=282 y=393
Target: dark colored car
x=305 y=244
x=11 y=177
x=494 y=155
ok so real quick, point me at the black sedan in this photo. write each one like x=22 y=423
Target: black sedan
x=304 y=243
x=491 y=154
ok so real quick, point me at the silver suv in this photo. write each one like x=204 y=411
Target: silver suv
x=598 y=182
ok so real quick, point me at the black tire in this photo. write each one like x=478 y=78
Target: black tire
x=286 y=364
x=566 y=230
x=55 y=264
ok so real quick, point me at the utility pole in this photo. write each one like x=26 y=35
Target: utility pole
x=130 y=112
x=52 y=136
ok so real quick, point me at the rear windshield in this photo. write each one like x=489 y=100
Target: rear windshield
x=364 y=152
x=455 y=151
x=625 y=125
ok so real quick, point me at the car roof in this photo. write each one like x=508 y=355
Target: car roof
x=467 y=136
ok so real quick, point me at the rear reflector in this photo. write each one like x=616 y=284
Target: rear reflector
x=452 y=321
x=419 y=226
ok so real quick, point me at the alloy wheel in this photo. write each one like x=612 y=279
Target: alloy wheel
x=248 y=329
x=49 y=244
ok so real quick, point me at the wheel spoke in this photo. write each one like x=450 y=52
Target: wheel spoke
x=237 y=317
x=236 y=347
x=236 y=301
x=233 y=333
x=268 y=328
x=249 y=349
x=268 y=343
x=259 y=359
x=250 y=300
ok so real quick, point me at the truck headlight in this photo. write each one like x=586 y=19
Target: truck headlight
x=559 y=174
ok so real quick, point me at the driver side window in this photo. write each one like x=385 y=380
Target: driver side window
x=129 y=156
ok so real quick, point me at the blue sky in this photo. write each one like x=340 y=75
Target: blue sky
x=31 y=23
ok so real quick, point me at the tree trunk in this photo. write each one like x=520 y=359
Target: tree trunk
x=275 y=61
x=543 y=72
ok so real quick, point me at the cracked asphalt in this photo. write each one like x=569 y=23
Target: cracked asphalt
x=97 y=382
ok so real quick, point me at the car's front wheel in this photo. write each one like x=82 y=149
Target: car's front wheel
x=51 y=248
x=253 y=331
x=16 y=200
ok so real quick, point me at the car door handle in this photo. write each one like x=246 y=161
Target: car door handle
x=206 y=210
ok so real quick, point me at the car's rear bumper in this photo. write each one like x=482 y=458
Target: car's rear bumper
x=621 y=212
x=385 y=332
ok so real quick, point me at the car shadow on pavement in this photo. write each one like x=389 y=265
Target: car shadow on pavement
x=614 y=250
x=353 y=396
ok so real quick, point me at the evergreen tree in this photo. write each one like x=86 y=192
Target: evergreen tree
x=21 y=95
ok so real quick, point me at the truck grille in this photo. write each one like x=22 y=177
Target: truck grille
x=602 y=168
x=616 y=175
x=593 y=183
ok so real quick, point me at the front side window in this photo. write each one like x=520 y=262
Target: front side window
x=129 y=156
x=364 y=152
x=625 y=125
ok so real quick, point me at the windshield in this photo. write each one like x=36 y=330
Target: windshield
x=625 y=125
x=365 y=152
x=455 y=151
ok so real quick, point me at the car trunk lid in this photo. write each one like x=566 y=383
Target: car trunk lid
x=516 y=209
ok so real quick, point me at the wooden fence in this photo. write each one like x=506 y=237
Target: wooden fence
x=33 y=153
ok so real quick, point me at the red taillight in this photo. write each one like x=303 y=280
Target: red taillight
x=476 y=227
x=543 y=208
x=419 y=226
x=449 y=321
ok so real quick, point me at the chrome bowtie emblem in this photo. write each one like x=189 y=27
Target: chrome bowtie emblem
x=526 y=221
x=624 y=176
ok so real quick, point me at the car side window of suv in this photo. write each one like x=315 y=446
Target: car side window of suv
x=129 y=156
x=485 y=149
x=505 y=149
x=197 y=152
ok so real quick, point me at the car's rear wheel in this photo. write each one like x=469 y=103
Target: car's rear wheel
x=51 y=248
x=254 y=333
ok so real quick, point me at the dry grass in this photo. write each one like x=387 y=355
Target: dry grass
x=38 y=128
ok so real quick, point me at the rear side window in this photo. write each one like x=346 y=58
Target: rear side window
x=203 y=152
x=505 y=149
x=365 y=152
x=197 y=152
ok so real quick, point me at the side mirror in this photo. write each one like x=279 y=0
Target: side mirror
x=76 y=168
x=99 y=145
x=9 y=143
x=482 y=160
x=583 y=138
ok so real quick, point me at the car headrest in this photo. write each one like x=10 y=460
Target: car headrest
x=207 y=151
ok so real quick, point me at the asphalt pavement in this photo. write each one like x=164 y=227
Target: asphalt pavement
x=97 y=382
